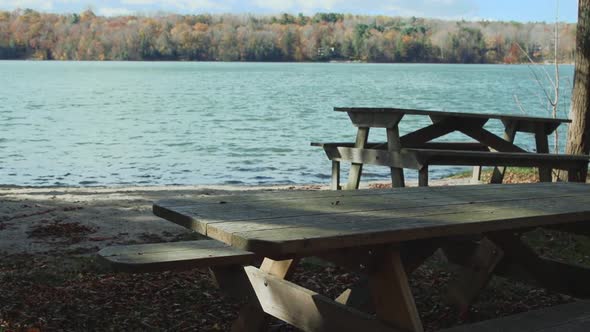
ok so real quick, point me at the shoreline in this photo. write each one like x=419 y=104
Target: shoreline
x=82 y=220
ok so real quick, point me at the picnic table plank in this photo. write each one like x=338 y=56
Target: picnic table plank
x=225 y=231
x=571 y=317
x=328 y=235
x=288 y=226
x=200 y=217
x=372 y=111
x=419 y=158
x=280 y=195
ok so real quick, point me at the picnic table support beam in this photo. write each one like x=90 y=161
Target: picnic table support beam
x=478 y=133
x=543 y=147
x=354 y=174
x=561 y=277
x=358 y=297
x=390 y=290
x=509 y=135
x=437 y=129
x=471 y=279
x=252 y=317
x=528 y=267
x=306 y=309
x=413 y=255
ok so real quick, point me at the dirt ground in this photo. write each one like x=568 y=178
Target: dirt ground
x=49 y=280
x=41 y=220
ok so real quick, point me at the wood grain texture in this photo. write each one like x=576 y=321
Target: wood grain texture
x=356 y=169
x=571 y=317
x=468 y=282
x=308 y=310
x=335 y=183
x=475 y=158
x=543 y=147
x=308 y=223
x=400 y=111
x=173 y=256
x=468 y=146
x=426 y=134
x=494 y=142
x=252 y=317
x=565 y=278
x=418 y=158
x=394 y=145
x=532 y=126
x=375 y=120
x=510 y=131
x=391 y=294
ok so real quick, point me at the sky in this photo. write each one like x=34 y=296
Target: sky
x=507 y=10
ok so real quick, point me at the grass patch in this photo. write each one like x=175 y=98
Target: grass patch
x=524 y=172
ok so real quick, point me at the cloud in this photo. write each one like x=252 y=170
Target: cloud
x=183 y=5
x=424 y=8
x=299 y=5
x=427 y=8
x=43 y=5
x=108 y=11
x=434 y=8
x=36 y=4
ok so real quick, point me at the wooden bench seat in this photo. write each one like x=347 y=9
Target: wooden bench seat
x=476 y=158
x=467 y=146
x=571 y=317
x=464 y=154
x=173 y=256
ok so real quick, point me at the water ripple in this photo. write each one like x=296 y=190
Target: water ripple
x=232 y=123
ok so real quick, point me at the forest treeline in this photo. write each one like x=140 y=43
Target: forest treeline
x=28 y=34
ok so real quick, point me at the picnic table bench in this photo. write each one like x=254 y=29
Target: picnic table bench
x=416 y=150
x=383 y=234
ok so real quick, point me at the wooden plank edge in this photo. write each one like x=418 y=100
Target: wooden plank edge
x=306 y=309
x=118 y=263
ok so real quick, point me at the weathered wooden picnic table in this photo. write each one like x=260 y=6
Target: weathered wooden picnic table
x=416 y=150
x=384 y=234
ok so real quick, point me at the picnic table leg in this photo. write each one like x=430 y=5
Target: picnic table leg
x=251 y=317
x=394 y=145
x=423 y=176
x=354 y=175
x=335 y=184
x=509 y=135
x=390 y=290
x=576 y=175
x=476 y=175
x=542 y=147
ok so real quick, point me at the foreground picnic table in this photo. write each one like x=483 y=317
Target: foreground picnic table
x=385 y=234
x=416 y=150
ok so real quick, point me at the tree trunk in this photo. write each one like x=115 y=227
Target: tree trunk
x=579 y=133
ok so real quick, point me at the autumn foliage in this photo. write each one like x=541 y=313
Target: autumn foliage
x=28 y=34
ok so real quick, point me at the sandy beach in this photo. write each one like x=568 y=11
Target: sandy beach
x=84 y=220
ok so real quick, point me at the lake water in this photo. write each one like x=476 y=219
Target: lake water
x=139 y=123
